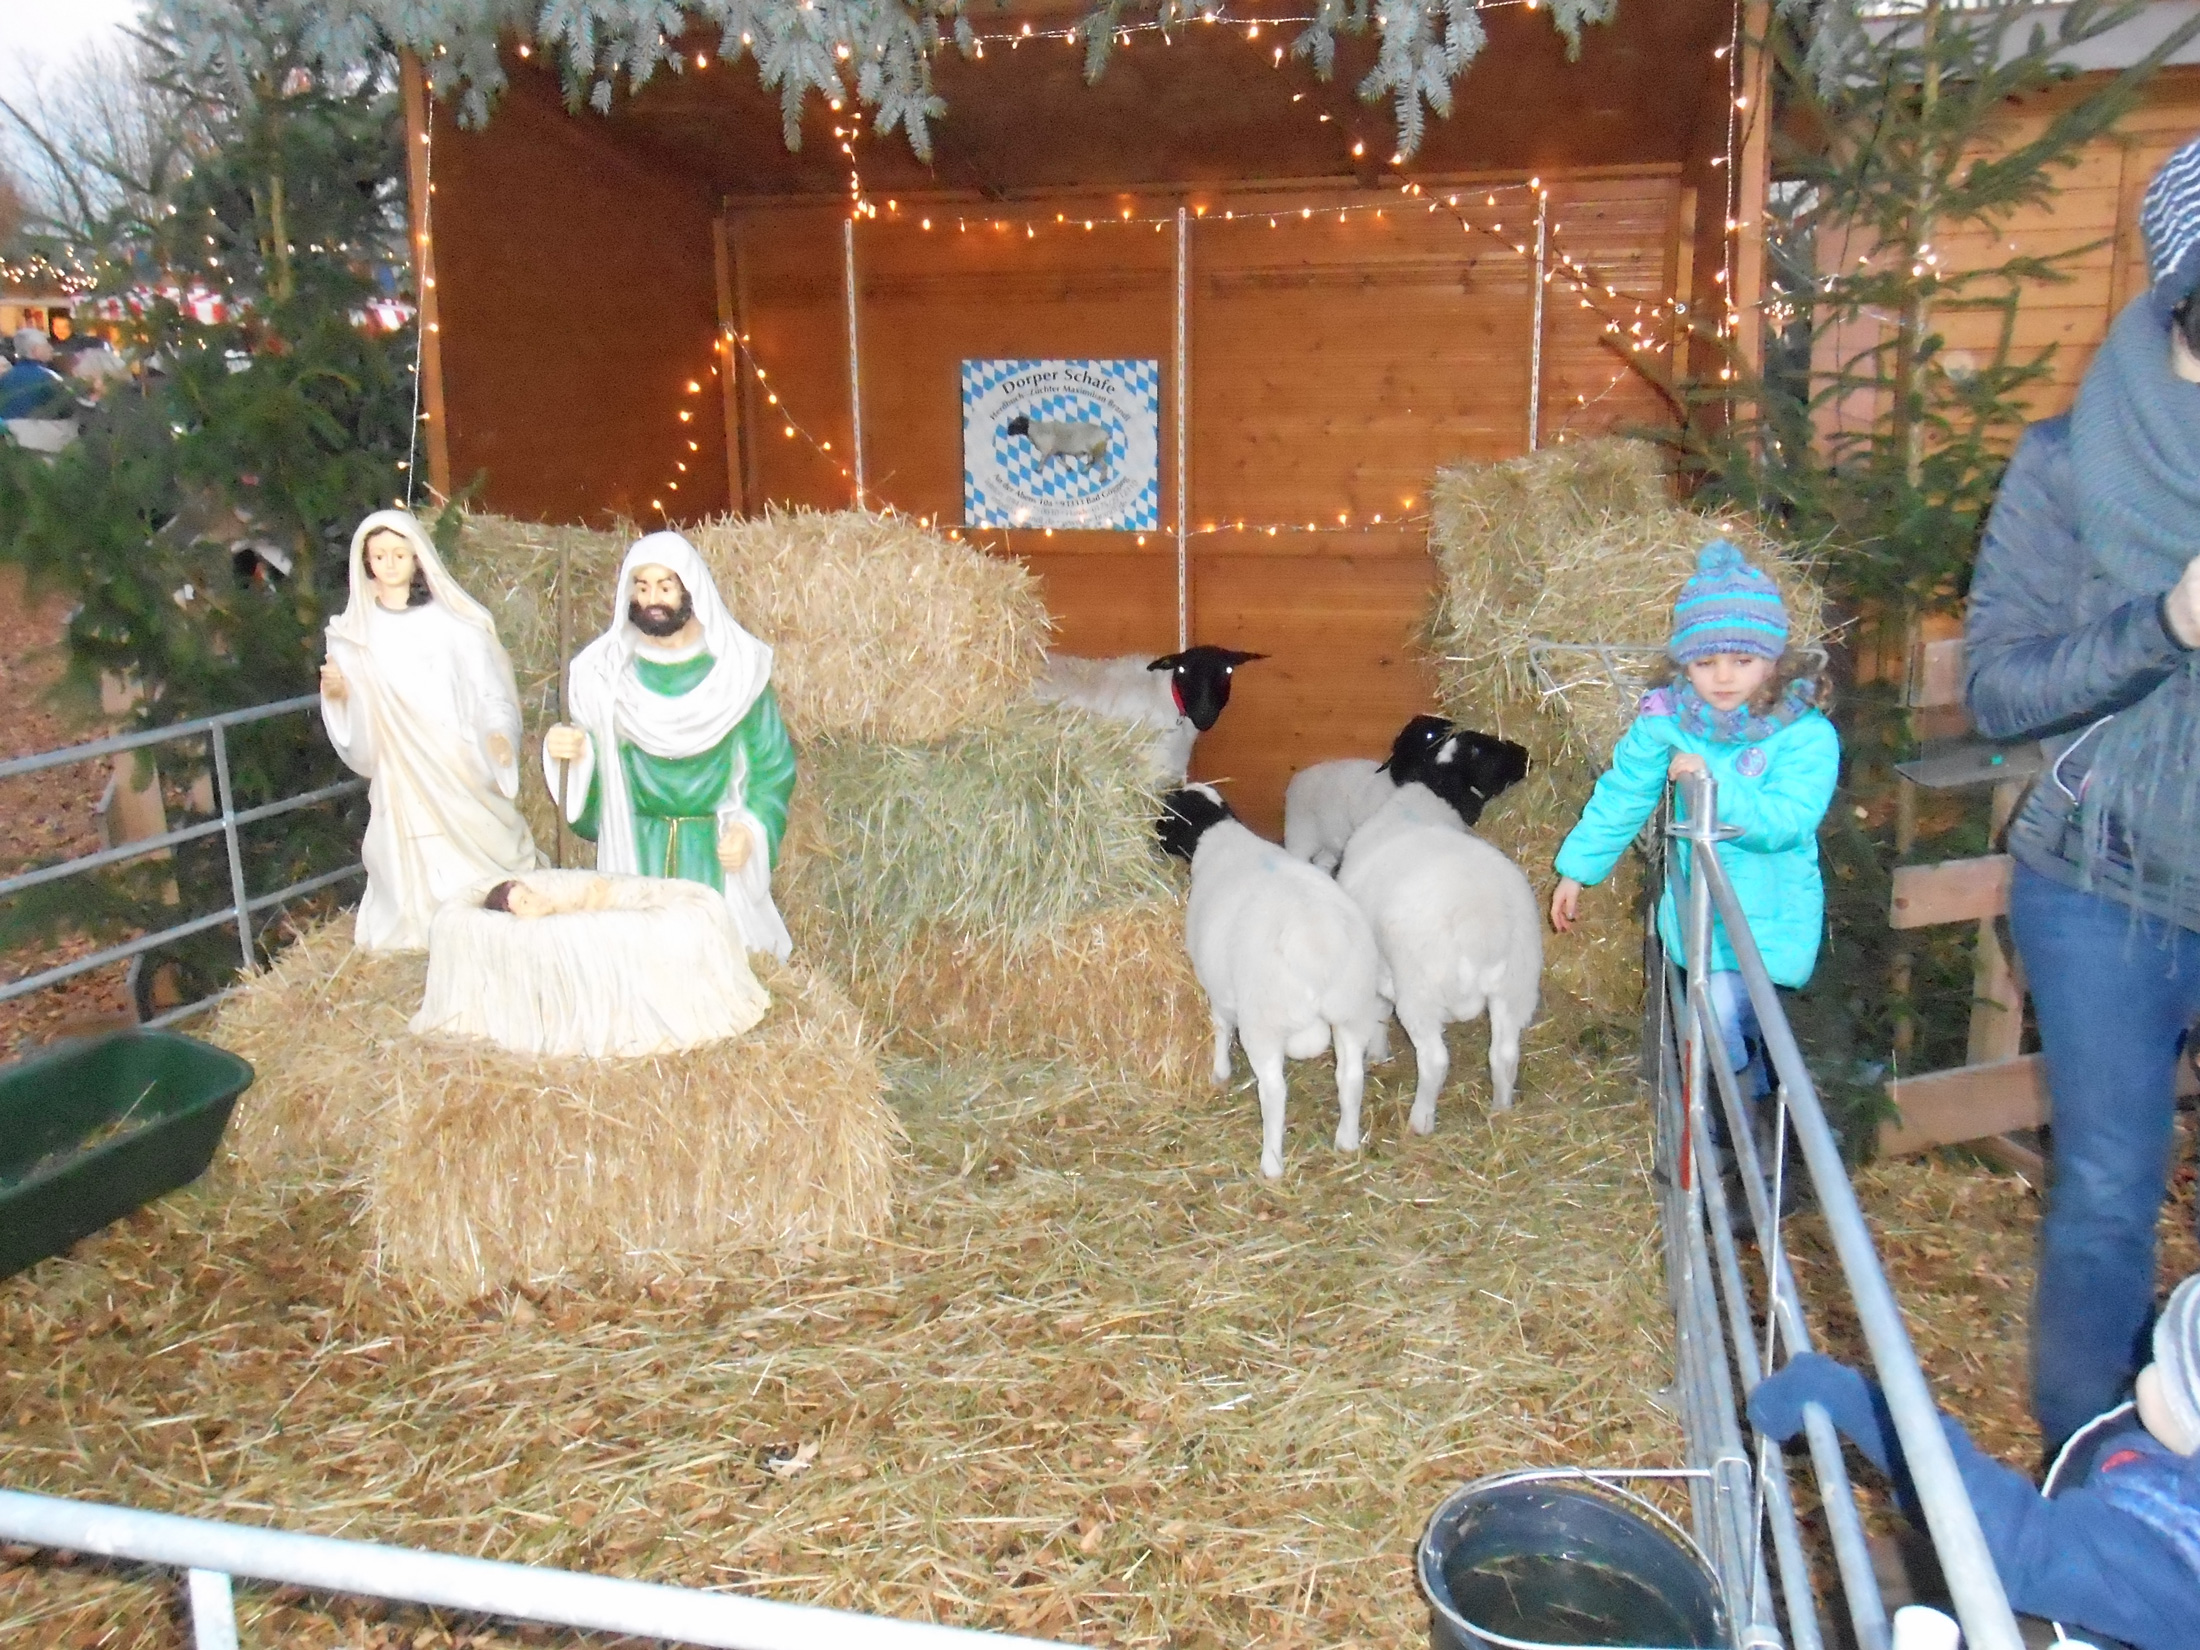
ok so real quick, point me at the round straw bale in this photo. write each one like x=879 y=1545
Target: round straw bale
x=500 y=1169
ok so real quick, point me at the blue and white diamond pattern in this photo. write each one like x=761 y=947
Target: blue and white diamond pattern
x=1008 y=482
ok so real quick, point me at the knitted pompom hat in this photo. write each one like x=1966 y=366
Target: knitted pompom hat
x=2177 y=1353
x=2169 y=218
x=1727 y=606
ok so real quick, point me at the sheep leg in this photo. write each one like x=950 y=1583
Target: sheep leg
x=1378 y=1043
x=1268 y=1071
x=1504 y=1055
x=1223 y=1031
x=1351 y=1049
x=1434 y=1062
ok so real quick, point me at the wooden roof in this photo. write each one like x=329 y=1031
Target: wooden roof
x=1212 y=107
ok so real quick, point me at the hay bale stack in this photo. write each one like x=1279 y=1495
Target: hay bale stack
x=976 y=870
x=880 y=629
x=504 y=1169
x=1582 y=546
x=998 y=893
x=486 y=1168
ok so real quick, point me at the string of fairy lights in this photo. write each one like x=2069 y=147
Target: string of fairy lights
x=1637 y=329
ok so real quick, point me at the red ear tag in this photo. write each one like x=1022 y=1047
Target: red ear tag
x=1176 y=693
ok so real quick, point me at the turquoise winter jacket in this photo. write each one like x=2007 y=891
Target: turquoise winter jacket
x=1776 y=789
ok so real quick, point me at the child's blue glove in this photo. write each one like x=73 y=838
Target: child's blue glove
x=1855 y=1404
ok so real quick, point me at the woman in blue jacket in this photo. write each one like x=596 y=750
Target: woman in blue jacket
x=2084 y=614
x=1739 y=707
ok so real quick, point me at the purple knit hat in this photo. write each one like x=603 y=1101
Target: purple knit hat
x=1727 y=606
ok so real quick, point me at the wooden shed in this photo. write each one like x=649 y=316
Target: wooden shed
x=663 y=313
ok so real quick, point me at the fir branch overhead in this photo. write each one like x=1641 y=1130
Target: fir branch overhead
x=877 y=52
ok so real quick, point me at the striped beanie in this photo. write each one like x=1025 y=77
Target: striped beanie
x=2177 y=1353
x=1727 y=606
x=2169 y=218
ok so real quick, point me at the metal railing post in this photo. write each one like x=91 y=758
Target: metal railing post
x=213 y=1611
x=229 y=837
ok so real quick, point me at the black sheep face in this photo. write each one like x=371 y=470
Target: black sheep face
x=1417 y=739
x=1468 y=770
x=1186 y=816
x=1019 y=425
x=1200 y=678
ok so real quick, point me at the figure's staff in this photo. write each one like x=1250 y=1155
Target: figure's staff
x=557 y=850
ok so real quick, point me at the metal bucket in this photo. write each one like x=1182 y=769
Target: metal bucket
x=1529 y=1559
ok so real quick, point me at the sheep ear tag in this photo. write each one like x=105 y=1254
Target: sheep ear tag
x=1176 y=695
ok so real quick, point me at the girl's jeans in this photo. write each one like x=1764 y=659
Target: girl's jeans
x=2113 y=994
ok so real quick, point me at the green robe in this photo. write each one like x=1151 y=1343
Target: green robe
x=676 y=798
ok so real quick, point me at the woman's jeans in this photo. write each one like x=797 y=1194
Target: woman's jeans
x=2113 y=994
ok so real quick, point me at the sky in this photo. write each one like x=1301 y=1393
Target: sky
x=35 y=34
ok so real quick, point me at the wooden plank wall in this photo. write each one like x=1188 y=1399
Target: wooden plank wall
x=2094 y=214
x=1334 y=367
x=577 y=306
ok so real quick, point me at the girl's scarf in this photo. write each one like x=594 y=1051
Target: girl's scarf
x=2135 y=454
x=1741 y=725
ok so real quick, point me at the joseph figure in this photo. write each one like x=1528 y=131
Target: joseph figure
x=677 y=763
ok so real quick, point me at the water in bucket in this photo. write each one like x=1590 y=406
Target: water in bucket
x=1553 y=1600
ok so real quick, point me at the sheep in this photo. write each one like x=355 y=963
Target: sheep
x=1324 y=804
x=1056 y=440
x=1288 y=963
x=1457 y=923
x=1178 y=696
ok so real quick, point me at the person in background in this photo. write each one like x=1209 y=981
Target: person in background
x=2083 y=621
x=31 y=388
x=2113 y=1547
x=1741 y=705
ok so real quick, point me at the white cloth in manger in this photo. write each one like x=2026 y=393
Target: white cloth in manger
x=659 y=969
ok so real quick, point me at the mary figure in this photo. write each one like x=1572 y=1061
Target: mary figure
x=418 y=697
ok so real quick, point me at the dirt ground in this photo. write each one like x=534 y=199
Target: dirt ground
x=46 y=816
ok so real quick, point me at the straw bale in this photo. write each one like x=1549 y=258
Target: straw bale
x=1101 y=1384
x=879 y=628
x=1112 y=994
x=317 y=1027
x=1580 y=544
x=485 y=1168
x=502 y=1169
x=997 y=833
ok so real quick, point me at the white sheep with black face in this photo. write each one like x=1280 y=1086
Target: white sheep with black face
x=1288 y=963
x=1459 y=928
x=1324 y=804
x=1178 y=696
x=1053 y=438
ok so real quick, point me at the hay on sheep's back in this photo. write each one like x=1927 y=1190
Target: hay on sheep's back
x=486 y=1168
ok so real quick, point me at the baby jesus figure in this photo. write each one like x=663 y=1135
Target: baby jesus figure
x=526 y=899
x=611 y=967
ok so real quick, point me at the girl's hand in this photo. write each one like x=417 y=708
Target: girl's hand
x=1565 y=904
x=1685 y=762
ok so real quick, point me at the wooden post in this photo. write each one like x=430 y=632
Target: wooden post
x=729 y=368
x=420 y=199
x=1997 y=983
x=1752 y=184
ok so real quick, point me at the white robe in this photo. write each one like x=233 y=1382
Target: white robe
x=426 y=693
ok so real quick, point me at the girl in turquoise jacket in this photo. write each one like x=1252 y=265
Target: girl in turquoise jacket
x=1739 y=706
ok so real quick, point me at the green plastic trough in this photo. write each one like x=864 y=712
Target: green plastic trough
x=91 y=1130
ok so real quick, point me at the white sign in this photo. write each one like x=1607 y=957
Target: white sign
x=1062 y=444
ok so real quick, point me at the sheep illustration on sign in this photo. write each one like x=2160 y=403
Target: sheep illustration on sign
x=1056 y=440
x=1062 y=444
